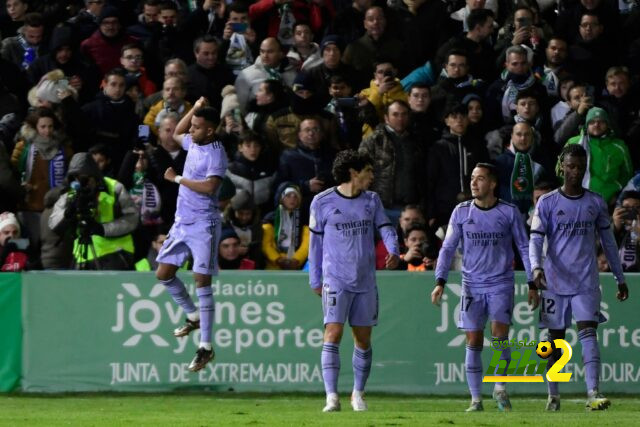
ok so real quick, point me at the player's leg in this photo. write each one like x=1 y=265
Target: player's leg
x=335 y=306
x=500 y=307
x=363 y=316
x=555 y=315
x=499 y=333
x=166 y=274
x=472 y=318
x=586 y=310
x=203 y=240
x=330 y=361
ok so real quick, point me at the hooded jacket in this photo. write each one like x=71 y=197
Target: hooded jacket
x=126 y=216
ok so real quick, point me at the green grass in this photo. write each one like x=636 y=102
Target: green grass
x=296 y=410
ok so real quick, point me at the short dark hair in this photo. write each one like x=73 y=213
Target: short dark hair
x=491 y=169
x=40 y=112
x=575 y=150
x=33 y=19
x=631 y=194
x=420 y=86
x=455 y=108
x=397 y=101
x=168 y=5
x=101 y=148
x=250 y=136
x=209 y=114
x=237 y=7
x=456 y=52
x=207 y=38
x=415 y=226
x=527 y=93
x=118 y=71
x=545 y=186
x=478 y=17
x=349 y=159
x=131 y=46
x=151 y=3
x=337 y=79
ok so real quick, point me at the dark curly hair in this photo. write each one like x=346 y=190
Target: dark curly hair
x=349 y=159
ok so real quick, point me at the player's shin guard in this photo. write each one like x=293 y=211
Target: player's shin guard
x=506 y=355
x=473 y=364
x=330 y=361
x=205 y=298
x=590 y=357
x=179 y=293
x=361 y=367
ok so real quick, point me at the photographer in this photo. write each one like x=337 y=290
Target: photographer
x=626 y=229
x=421 y=254
x=13 y=255
x=384 y=89
x=101 y=214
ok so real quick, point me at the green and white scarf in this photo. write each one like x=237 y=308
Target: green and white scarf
x=522 y=177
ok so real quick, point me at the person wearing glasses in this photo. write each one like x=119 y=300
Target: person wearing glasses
x=131 y=59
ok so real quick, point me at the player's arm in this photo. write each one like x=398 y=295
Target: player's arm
x=388 y=234
x=536 y=243
x=445 y=257
x=316 y=240
x=204 y=186
x=522 y=243
x=183 y=125
x=603 y=222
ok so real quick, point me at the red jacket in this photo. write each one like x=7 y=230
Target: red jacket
x=104 y=52
x=302 y=10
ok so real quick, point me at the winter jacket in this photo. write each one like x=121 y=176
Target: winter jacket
x=250 y=78
x=256 y=177
x=150 y=118
x=105 y=52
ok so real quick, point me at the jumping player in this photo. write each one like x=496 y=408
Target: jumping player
x=196 y=229
x=487 y=228
x=343 y=222
x=570 y=218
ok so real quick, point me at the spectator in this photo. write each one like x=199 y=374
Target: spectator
x=85 y=23
x=570 y=17
x=308 y=165
x=253 y=170
x=132 y=59
x=101 y=154
x=475 y=43
x=398 y=164
x=110 y=227
x=14 y=19
x=230 y=256
x=63 y=55
x=626 y=229
x=304 y=54
x=24 y=48
x=345 y=109
x=410 y=214
x=376 y=42
x=111 y=118
x=285 y=242
x=206 y=77
x=621 y=102
x=384 y=89
x=420 y=253
x=56 y=251
x=449 y=165
x=516 y=77
x=519 y=168
x=239 y=42
x=458 y=21
x=12 y=251
x=173 y=68
x=579 y=104
x=173 y=101
x=147 y=23
x=520 y=30
x=555 y=66
x=331 y=50
x=270 y=97
x=271 y=64
x=242 y=216
x=40 y=158
x=149 y=262
x=105 y=45
x=348 y=22
x=608 y=161
x=475 y=114
x=562 y=108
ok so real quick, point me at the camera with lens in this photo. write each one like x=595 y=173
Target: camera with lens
x=82 y=204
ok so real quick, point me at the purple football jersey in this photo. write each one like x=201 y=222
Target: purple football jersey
x=342 y=246
x=202 y=161
x=486 y=237
x=571 y=225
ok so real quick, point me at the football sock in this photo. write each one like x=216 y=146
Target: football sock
x=506 y=355
x=590 y=357
x=361 y=367
x=473 y=365
x=205 y=298
x=330 y=360
x=179 y=293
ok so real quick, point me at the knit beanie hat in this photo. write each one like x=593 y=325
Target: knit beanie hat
x=597 y=113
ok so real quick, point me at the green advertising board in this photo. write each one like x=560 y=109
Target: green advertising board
x=11 y=337
x=113 y=331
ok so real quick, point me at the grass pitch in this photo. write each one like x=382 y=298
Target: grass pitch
x=295 y=410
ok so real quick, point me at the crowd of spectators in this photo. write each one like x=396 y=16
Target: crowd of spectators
x=91 y=92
